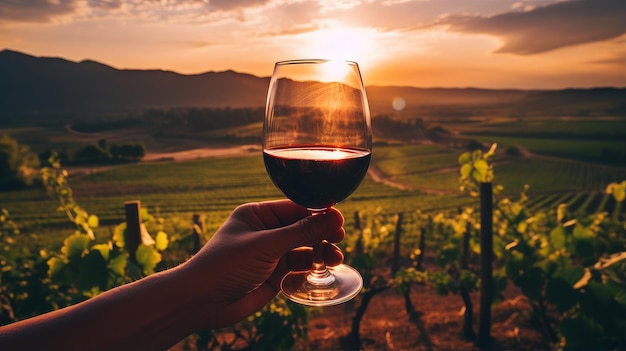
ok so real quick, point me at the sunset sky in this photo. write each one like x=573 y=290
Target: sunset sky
x=525 y=44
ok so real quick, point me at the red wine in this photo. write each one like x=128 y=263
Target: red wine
x=316 y=177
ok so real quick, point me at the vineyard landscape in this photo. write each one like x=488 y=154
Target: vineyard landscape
x=559 y=244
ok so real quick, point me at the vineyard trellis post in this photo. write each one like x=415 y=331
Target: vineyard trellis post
x=396 y=246
x=132 y=237
x=468 y=315
x=198 y=229
x=486 y=262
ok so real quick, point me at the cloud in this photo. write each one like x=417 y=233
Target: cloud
x=547 y=28
x=36 y=10
x=50 y=10
x=236 y=4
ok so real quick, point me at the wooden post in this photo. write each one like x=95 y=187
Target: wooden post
x=486 y=261
x=468 y=316
x=132 y=237
x=396 y=246
x=198 y=229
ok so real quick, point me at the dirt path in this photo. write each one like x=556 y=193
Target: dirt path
x=378 y=176
x=202 y=153
x=176 y=156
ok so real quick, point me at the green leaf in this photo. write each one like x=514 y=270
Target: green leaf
x=532 y=283
x=161 y=241
x=468 y=280
x=465 y=158
x=118 y=235
x=602 y=293
x=580 y=333
x=561 y=294
x=147 y=258
x=145 y=215
x=570 y=274
x=466 y=170
x=92 y=272
x=55 y=267
x=103 y=249
x=481 y=168
x=557 y=238
x=618 y=190
x=585 y=248
x=75 y=245
x=118 y=264
x=477 y=155
x=93 y=221
x=580 y=232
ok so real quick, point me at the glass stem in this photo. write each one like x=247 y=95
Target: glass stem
x=319 y=275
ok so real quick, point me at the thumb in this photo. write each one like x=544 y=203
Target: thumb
x=312 y=230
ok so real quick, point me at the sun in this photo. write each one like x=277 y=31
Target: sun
x=341 y=43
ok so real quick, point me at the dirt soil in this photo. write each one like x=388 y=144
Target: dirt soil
x=437 y=325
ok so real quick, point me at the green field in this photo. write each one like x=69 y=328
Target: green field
x=214 y=187
x=562 y=162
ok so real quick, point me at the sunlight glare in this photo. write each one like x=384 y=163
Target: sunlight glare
x=334 y=71
x=340 y=43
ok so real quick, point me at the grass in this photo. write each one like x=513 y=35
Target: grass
x=214 y=187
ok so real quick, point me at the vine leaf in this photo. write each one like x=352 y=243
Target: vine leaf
x=75 y=245
x=161 y=241
x=147 y=258
x=618 y=190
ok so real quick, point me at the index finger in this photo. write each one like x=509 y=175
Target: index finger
x=278 y=213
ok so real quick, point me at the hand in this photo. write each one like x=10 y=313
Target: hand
x=242 y=265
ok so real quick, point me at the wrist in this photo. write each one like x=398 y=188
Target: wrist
x=196 y=292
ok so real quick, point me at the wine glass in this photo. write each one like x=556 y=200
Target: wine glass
x=317 y=143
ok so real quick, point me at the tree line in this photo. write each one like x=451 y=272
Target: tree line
x=19 y=165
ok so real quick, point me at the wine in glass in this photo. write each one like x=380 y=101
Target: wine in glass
x=317 y=143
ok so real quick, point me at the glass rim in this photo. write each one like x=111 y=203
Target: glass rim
x=314 y=61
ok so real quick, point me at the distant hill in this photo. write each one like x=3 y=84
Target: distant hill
x=44 y=85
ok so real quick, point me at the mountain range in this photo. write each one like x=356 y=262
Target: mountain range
x=32 y=85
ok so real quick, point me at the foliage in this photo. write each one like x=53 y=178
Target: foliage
x=369 y=247
x=569 y=264
x=18 y=165
x=476 y=169
x=618 y=190
x=25 y=289
x=455 y=274
x=277 y=326
x=87 y=266
x=571 y=267
x=560 y=264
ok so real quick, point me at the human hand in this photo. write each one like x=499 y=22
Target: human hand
x=241 y=266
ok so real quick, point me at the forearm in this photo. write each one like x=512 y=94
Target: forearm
x=150 y=314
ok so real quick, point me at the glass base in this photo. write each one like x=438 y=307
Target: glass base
x=347 y=283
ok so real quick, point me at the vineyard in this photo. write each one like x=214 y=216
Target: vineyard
x=215 y=186
x=429 y=179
